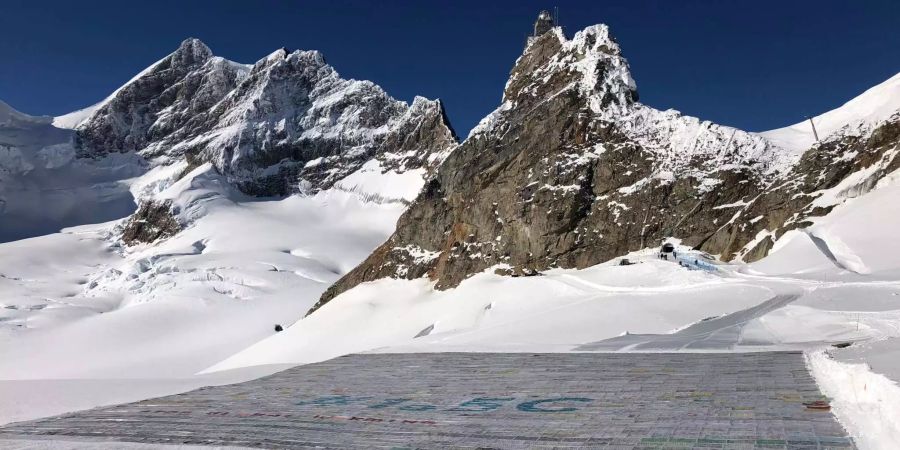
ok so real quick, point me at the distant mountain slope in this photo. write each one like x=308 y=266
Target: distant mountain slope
x=9 y=117
x=19 y=130
x=44 y=188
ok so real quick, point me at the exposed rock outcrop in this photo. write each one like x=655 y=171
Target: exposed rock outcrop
x=152 y=221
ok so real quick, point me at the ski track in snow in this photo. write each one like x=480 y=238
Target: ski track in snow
x=718 y=334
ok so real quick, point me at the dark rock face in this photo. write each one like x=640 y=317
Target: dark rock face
x=570 y=171
x=152 y=221
x=130 y=120
x=288 y=123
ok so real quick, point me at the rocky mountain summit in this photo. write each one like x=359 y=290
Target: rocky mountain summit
x=571 y=170
x=285 y=124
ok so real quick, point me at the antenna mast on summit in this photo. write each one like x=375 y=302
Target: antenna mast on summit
x=556 y=16
x=815 y=134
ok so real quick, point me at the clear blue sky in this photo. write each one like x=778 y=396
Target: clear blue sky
x=755 y=64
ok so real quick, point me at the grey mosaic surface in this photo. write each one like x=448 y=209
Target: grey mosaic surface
x=484 y=400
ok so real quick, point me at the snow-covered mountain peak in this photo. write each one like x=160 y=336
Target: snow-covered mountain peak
x=191 y=52
x=283 y=56
x=422 y=106
x=605 y=73
x=589 y=66
x=590 y=71
x=293 y=123
x=277 y=55
x=591 y=61
x=285 y=124
x=155 y=101
x=22 y=135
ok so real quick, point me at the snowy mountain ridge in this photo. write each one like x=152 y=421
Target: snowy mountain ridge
x=877 y=104
x=9 y=117
x=261 y=125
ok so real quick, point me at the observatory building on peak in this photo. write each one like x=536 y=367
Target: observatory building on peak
x=544 y=23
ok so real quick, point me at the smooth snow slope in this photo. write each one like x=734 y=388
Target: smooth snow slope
x=856 y=241
x=872 y=106
x=555 y=312
x=73 y=119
